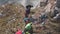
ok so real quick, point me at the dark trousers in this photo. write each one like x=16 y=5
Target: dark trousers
x=30 y=31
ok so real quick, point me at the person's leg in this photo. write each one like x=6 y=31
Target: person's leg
x=26 y=15
x=31 y=31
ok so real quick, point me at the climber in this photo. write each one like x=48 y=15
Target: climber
x=18 y=31
x=28 y=8
x=26 y=20
x=30 y=18
x=28 y=28
x=43 y=18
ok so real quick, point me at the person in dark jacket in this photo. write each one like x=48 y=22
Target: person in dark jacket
x=28 y=8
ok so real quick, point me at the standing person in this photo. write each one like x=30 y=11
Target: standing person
x=28 y=8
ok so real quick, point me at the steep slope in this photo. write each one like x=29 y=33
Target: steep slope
x=10 y=16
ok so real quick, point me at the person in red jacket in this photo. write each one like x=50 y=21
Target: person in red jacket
x=19 y=31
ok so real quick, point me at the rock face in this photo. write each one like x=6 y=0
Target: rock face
x=58 y=3
x=53 y=24
x=11 y=16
